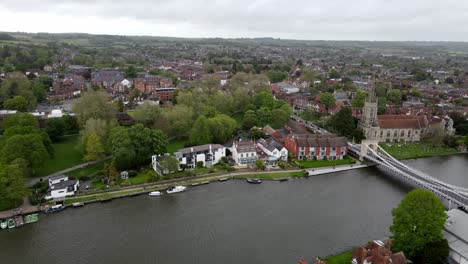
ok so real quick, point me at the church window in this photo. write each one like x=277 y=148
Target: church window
x=395 y=134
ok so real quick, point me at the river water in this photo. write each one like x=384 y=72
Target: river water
x=229 y=222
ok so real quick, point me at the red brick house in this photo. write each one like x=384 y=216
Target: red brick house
x=377 y=252
x=165 y=94
x=319 y=147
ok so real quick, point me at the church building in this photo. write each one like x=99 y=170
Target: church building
x=391 y=128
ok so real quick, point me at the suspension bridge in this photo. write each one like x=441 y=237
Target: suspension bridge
x=371 y=151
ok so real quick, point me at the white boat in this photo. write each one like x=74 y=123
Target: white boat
x=176 y=189
x=155 y=193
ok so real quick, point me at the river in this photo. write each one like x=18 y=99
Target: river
x=228 y=222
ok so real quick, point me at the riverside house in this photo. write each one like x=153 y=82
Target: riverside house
x=61 y=186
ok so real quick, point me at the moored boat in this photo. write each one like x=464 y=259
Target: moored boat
x=176 y=189
x=19 y=220
x=54 y=208
x=155 y=193
x=78 y=204
x=32 y=218
x=254 y=181
x=3 y=224
x=11 y=223
x=223 y=179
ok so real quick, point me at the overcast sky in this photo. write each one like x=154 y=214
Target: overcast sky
x=445 y=20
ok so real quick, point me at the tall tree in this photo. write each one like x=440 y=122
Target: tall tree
x=12 y=187
x=17 y=84
x=55 y=128
x=343 y=122
x=94 y=104
x=417 y=221
x=94 y=148
x=200 y=133
x=327 y=99
x=359 y=99
x=280 y=118
x=29 y=147
x=169 y=164
x=395 y=96
x=17 y=103
x=181 y=119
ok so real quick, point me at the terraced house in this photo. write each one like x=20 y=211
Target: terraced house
x=316 y=147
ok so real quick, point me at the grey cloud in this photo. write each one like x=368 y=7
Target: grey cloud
x=302 y=19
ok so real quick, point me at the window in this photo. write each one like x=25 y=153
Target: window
x=242 y=155
x=395 y=134
x=402 y=134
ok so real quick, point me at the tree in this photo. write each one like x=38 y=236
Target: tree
x=250 y=119
x=169 y=164
x=395 y=96
x=433 y=252
x=94 y=148
x=280 y=118
x=147 y=114
x=29 y=147
x=276 y=76
x=381 y=105
x=221 y=127
x=12 y=187
x=327 y=99
x=265 y=99
x=55 y=128
x=200 y=133
x=94 y=104
x=181 y=119
x=135 y=145
x=343 y=122
x=334 y=74
x=20 y=120
x=70 y=124
x=359 y=99
x=17 y=103
x=417 y=221
x=260 y=164
x=264 y=116
x=120 y=105
x=381 y=89
x=17 y=84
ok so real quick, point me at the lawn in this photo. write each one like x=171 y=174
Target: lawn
x=416 y=150
x=67 y=154
x=88 y=171
x=343 y=258
x=176 y=144
x=325 y=163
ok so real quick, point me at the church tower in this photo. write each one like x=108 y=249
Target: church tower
x=369 y=123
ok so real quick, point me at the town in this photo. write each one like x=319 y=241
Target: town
x=91 y=118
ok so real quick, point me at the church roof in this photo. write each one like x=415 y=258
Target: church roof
x=401 y=121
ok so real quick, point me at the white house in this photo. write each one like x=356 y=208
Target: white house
x=55 y=113
x=244 y=152
x=56 y=179
x=274 y=149
x=209 y=154
x=61 y=186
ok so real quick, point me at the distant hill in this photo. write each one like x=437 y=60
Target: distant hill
x=5 y=36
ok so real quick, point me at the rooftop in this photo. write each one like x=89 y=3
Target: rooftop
x=456 y=232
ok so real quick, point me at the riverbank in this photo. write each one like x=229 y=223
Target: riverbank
x=341 y=258
x=205 y=179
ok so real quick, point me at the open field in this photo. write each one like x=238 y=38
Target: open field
x=67 y=154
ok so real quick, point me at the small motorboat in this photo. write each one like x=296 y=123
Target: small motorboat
x=254 y=181
x=155 y=193
x=54 y=208
x=11 y=223
x=3 y=224
x=78 y=204
x=176 y=189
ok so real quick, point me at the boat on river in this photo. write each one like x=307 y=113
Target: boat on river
x=176 y=189
x=11 y=223
x=155 y=193
x=32 y=218
x=3 y=224
x=54 y=208
x=254 y=181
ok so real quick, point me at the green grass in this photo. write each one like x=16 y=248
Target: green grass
x=343 y=258
x=325 y=163
x=67 y=154
x=88 y=171
x=175 y=145
x=416 y=150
